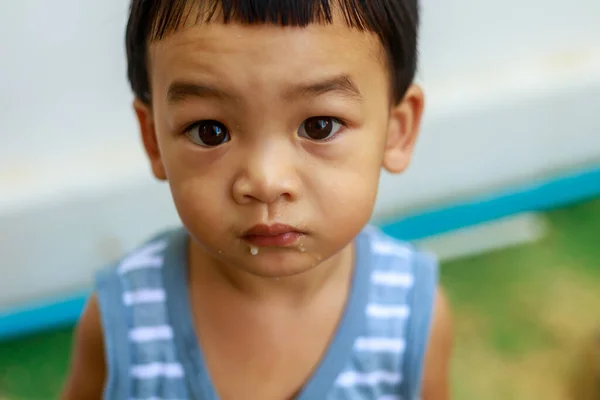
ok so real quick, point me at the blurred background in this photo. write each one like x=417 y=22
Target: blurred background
x=504 y=186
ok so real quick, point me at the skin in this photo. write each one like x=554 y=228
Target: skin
x=261 y=83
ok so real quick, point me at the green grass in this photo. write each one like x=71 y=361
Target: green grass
x=33 y=368
x=521 y=316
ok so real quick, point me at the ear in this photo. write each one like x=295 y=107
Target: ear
x=148 y=132
x=403 y=129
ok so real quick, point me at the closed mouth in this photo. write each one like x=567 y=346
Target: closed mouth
x=277 y=235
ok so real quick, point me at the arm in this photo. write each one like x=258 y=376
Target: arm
x=88 y=367
x=436 y=385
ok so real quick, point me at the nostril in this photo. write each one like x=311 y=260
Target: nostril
x=264 y=188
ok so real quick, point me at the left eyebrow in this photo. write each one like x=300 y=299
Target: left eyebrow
x=343 y=85
x=180 y=91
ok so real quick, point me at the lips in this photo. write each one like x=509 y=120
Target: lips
x=277 y=235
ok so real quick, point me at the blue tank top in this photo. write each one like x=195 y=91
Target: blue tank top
x=377 y=351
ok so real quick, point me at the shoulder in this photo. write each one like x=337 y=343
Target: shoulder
x=391 y=258
x=101 y=347
x=147 y=255
x=436 y=383
x=409 y=277
x=137 y=278
x=88 y=368
x=139 y=268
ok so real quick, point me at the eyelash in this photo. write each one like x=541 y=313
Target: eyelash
x=340 y=121
x=344 y=125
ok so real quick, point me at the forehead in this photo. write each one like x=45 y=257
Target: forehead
x=256 y=54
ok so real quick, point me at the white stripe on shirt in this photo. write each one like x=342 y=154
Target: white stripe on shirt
x=144 y=296
x=384 y=311
x=156 y=370
x=396 y=279
x=352 y=378
x=385 y=247
x=152 y=333
x=380 y=344
x=146 y=257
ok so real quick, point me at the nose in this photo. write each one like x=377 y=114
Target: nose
x=267 y=174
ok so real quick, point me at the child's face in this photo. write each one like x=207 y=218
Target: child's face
x=266 y=125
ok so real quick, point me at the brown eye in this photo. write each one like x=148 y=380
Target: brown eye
x=208 y=134
x=319 y=128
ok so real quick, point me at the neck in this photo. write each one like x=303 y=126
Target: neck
x=208 y=275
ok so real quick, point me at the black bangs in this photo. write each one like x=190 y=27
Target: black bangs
x=168 y=15
x=394 y=21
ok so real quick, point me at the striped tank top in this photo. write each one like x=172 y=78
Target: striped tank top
x=377 y=352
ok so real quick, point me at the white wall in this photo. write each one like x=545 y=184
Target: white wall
x=513 y=88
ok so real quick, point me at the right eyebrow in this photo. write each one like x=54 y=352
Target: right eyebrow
x=180 y=91
x=342 y=85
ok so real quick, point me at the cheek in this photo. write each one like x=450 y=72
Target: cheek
x=201 y=208
x=198 y=187
x=346 y=202
x=348 y=190
x=182 y=159
x=346 y=184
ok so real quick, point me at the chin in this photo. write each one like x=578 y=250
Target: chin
x=269 y=264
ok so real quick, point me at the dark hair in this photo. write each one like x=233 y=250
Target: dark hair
x=396 y=22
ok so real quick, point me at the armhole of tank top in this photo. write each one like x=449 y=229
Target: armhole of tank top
x=421 y=302
x=114 y=331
